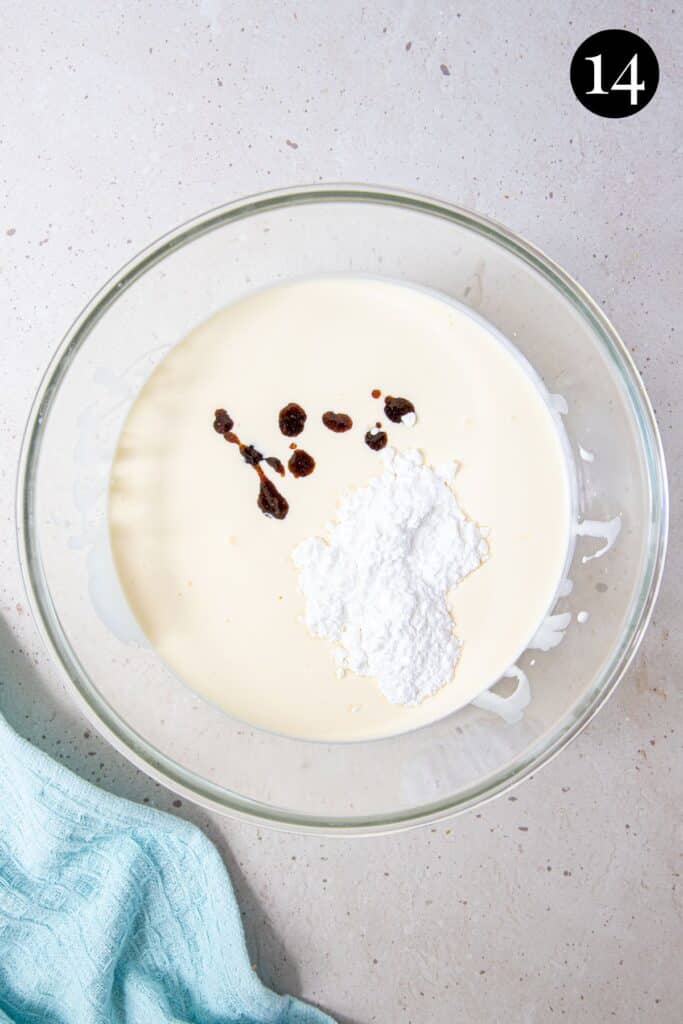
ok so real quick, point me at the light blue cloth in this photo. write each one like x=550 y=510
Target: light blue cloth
x=112 y=912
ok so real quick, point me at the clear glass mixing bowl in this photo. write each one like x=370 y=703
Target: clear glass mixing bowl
x=130 y=695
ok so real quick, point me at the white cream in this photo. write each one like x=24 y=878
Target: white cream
x=210 y=579
x=608 y=531
x=551 y=632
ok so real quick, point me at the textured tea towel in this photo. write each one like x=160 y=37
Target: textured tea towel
x=114 y=913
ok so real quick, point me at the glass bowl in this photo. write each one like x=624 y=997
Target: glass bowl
x=123 y=686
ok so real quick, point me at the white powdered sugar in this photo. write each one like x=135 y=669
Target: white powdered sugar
x=377 y=584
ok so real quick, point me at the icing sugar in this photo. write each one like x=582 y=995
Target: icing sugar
x=376 y=585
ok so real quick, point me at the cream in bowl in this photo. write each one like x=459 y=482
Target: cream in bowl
x=342 y=507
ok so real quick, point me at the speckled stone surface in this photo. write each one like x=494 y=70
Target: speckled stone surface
x=120 y=121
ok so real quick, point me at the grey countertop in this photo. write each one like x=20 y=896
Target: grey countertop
x=119 y=121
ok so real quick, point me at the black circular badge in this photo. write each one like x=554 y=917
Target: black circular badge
x=614 y=73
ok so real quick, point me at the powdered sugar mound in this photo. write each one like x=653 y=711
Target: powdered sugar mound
x=377 y=585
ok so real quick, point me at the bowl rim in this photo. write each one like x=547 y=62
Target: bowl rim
x=144 y=754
